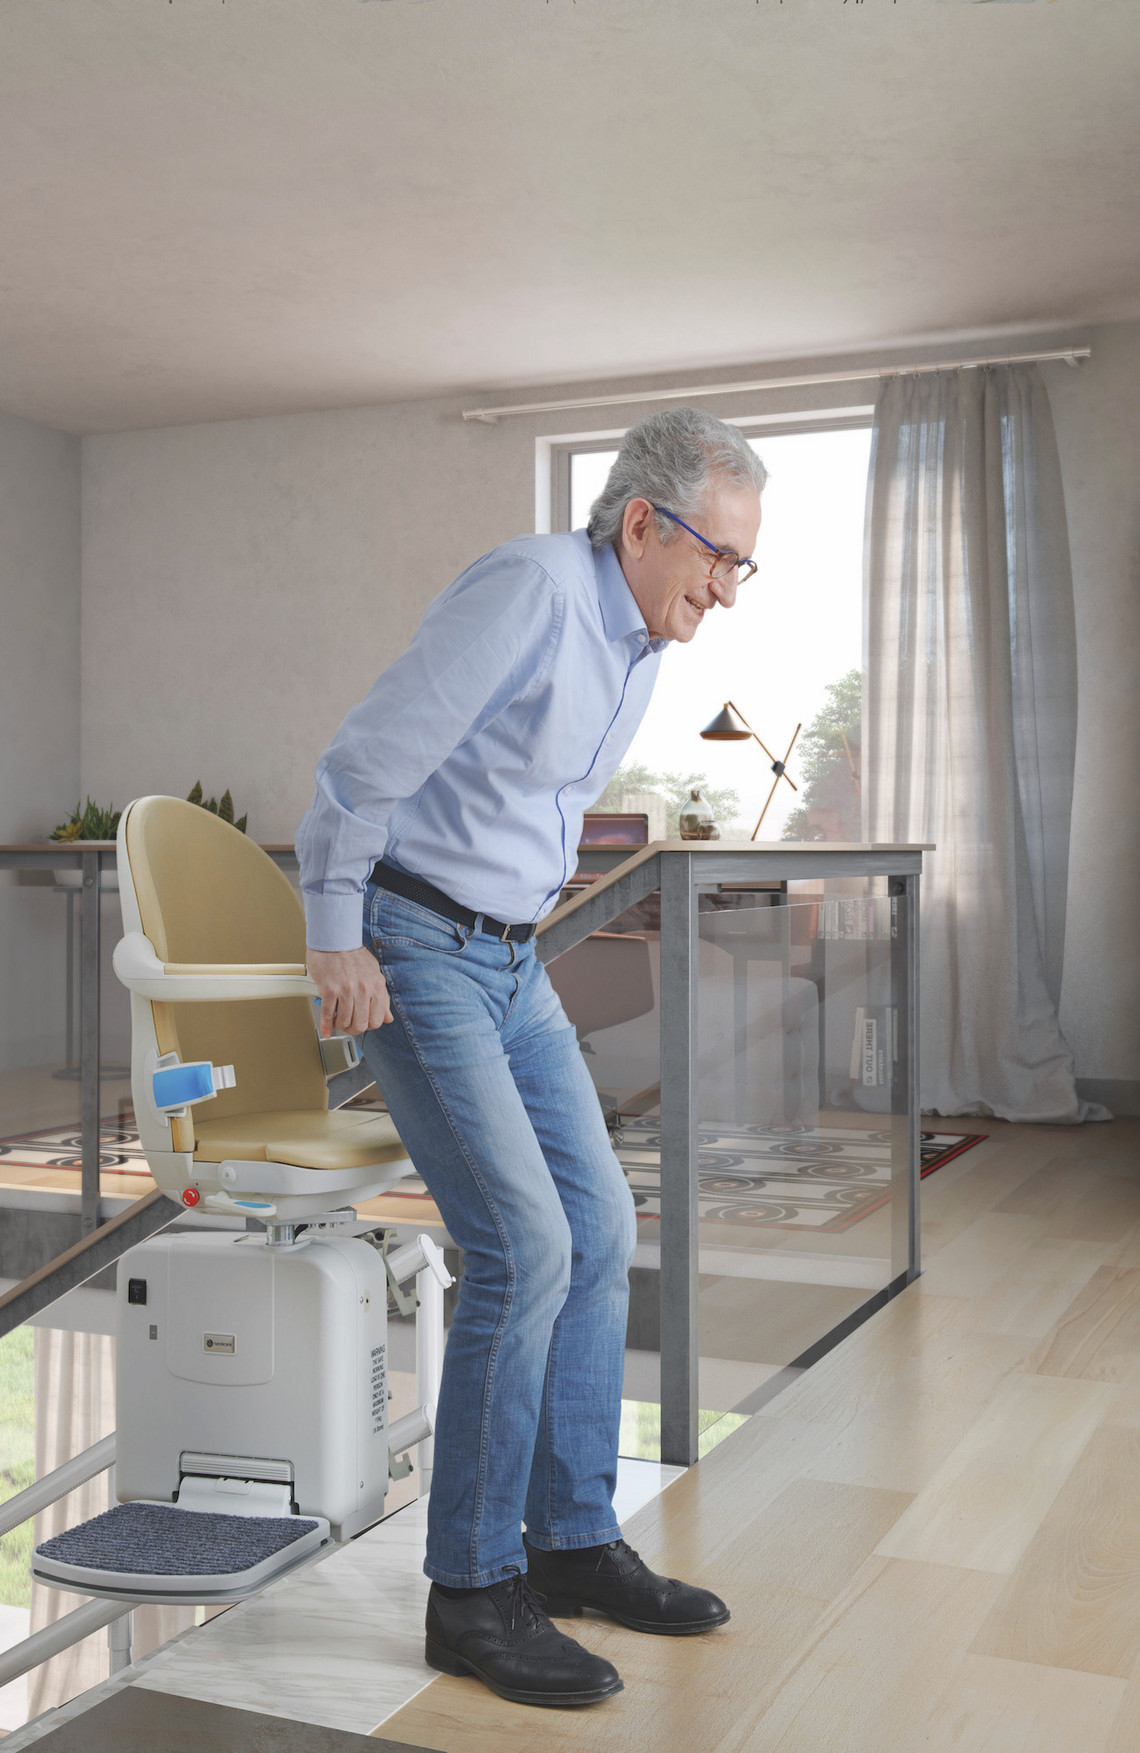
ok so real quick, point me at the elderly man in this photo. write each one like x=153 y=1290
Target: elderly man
x=448 y=807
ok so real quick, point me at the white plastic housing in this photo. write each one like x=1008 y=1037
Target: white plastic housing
x=276 y=1354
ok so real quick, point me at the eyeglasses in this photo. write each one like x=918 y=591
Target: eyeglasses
x=725 y=561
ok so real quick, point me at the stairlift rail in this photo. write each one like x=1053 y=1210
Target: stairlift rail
x=59 y=1636
x=55 y=1485
x=424 y=1258
x=415 y=1427
x=419 y=1256
x=429 y=1357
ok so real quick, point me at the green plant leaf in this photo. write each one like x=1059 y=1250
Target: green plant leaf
x=71 y=828
x=829 y=754
x=194 y=795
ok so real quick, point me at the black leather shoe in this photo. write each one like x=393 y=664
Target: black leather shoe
x=502 y=1637
x=613 y=1580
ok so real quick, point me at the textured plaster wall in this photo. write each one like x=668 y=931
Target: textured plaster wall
x=39 y=716
x=244 y=582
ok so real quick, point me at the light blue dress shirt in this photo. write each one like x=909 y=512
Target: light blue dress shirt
x=471 y=761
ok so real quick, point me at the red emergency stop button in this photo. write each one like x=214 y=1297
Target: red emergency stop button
x=190 y=1196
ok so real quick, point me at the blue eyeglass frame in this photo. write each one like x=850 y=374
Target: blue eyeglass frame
x=714 y=550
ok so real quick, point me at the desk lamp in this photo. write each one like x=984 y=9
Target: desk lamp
x=729 y=727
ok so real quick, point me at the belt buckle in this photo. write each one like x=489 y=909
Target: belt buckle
x=506 y=937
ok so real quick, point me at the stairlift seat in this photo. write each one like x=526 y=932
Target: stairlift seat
x=252 y=1381
x=204 y=904
x=338 y=1138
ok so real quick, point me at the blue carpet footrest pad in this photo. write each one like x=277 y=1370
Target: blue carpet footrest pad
x=157 y=1539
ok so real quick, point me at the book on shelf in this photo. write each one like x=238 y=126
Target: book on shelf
x=874 y=1045
x=865 y=918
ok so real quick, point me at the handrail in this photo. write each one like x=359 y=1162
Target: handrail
x=57 y=1484
x=59 y=1636
x=726 y=860
x=154 y=1211
x=607 y=899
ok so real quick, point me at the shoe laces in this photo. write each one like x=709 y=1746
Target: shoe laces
x=619 y=1549
x=521 y=1603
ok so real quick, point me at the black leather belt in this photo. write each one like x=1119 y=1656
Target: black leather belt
x=427 y=895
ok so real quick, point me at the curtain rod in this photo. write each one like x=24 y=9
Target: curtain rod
x=489 y=416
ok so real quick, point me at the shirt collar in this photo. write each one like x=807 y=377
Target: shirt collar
x=620 y=613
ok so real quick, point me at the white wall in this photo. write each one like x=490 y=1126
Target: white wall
x=39 y=715
x=244 y=582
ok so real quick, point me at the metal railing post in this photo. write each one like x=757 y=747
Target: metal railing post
x=679 y=1083
x=905 y=1117
x=119 y=1641
x=89 y=1042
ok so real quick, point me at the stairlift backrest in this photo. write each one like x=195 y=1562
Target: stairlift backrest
x=202 y=892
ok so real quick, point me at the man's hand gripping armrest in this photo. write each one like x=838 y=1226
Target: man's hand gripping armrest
x=354 y=995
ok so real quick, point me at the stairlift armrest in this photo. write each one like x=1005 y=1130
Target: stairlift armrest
x=140 y=970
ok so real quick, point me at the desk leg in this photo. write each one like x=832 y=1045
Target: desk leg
x=89 y=1042
x=70 y=899
x=906 y=1097
x=740 y=1065
x=679 y=1336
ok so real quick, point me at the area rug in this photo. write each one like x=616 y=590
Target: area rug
x=756 y=1177
x=781 y=1177
x=61 y=1147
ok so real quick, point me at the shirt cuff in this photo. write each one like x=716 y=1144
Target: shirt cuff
x=334 y=922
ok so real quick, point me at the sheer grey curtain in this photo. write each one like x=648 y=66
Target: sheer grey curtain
x=970 y=724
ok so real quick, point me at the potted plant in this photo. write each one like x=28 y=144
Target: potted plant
x=224 y=809
x=91 y=822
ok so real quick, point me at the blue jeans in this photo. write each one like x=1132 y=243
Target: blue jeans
x=484 y=1079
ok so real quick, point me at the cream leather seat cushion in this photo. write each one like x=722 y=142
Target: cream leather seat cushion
x=342 y=1138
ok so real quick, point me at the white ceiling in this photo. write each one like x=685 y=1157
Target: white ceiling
x=215 y=208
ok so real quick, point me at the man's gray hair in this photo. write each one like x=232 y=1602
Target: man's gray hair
x=669 y=459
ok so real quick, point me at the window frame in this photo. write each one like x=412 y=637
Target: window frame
x=554 y=455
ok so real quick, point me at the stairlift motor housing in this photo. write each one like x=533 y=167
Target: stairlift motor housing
x=246 y=1352
x=252 y=1382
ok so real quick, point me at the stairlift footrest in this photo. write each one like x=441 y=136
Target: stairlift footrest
x=162 y=1552
x=241 y=1205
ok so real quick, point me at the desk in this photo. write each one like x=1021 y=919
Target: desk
x=92 y=858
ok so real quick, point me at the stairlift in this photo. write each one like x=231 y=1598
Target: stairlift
x=252 y=1379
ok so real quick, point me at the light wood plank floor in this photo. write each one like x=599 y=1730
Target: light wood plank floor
x=932 y=1539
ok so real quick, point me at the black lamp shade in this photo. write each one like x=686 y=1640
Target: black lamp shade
x=726 y=727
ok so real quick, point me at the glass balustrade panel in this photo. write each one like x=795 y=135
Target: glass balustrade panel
x=803 y=1137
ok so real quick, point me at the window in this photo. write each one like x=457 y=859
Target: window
x=783 y=652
